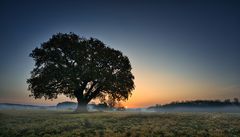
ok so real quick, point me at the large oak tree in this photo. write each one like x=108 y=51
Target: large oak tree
x=80 y=68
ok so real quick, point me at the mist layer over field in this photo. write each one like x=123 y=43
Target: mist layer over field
x=96 y=108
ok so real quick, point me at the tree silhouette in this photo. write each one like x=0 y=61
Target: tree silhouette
x=79 y=68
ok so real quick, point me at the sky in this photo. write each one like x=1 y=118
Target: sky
x=179 y=50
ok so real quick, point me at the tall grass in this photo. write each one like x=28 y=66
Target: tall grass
x=40 y=123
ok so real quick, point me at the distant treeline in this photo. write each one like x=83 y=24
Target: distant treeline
x=199 y=104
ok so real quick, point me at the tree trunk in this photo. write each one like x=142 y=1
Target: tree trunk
x=82 y=107
x=82 y=103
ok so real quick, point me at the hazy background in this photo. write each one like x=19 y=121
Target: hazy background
x=179 y=50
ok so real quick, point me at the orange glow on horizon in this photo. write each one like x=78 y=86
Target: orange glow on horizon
x=151 y=89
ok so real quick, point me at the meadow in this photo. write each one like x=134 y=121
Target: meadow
x=44 y=123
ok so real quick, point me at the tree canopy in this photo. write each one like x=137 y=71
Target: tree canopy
x=80 y=68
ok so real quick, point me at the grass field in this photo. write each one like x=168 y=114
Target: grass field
x=42 y=123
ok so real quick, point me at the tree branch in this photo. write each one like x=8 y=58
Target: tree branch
x=90 y=89
x=79 y=90
x=94 y=94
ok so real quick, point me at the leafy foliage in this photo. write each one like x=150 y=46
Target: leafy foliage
x=79 y=67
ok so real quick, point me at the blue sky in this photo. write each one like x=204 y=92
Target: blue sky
x=190 y=45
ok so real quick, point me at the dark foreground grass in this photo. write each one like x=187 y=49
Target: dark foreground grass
x=39 y=123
